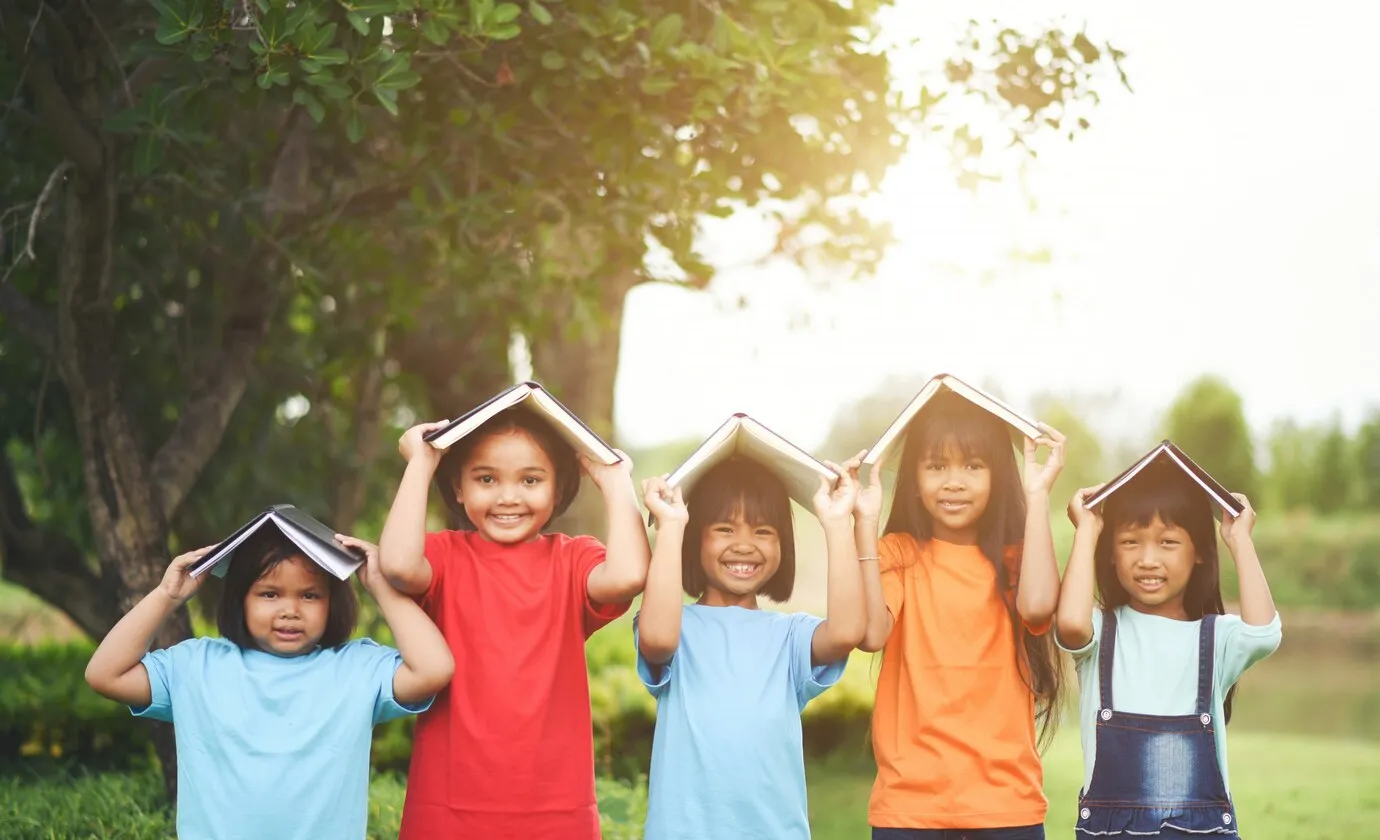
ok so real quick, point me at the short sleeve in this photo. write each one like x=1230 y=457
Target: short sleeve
x=586 y=554
x=437 y=548
x=380 y=664
x=891 y=566
x=1091 y=647
x=810 y=680
x=655 y=682
x=1241 y=645
x=163 y=667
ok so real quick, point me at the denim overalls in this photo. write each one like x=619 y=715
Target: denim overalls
x=1156 y=775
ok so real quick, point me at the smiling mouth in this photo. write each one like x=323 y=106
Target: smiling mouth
x=740 y=569
x=507 y=518
x=1151 y=583
x=951 y=505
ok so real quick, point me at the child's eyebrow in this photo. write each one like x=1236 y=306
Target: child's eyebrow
x=485 y=468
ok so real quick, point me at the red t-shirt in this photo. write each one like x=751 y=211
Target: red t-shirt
x=507 y=750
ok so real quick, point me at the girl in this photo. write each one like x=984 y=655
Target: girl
x=960 y=592
x=730 y=679
x=273 y=721
x=1157 y=663
x=508 y=752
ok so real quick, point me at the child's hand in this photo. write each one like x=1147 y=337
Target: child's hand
x=413 y=448
x=1039 y=479
x=608 y=476
x=177 y=583
x=1238 y=527
x=833 y=505
x=665 y=504
x=369 y=574
x=1080 y=516
x=868 y=504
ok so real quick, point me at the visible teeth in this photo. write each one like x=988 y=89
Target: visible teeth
x=743 y=568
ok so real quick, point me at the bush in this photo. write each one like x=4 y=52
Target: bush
x=131 y=807
x=1310 y=561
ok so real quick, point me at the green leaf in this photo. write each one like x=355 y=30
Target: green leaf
x=354 y=126
x=479 y=13
x=148 y=151
x=504 y=32
x=657 y=85
x=666 y=32
x=506 y=13
x=359 y=22
x=398 y=75
x=330 y=56
x=309 y=65
x=539 y=13
x=202 y=49
x=435 y=31
x=552 y=60
x=388 y=99
x=313 y=105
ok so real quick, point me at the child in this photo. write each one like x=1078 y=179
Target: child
x=273 y=721
x=1158 y=662
x=508 y=752
x=730 y=679
x=960 y=592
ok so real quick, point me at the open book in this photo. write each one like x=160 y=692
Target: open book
x=945 y=382
x=742 y=436
x=1167 y=451
x=529 y=395
x=316 y=541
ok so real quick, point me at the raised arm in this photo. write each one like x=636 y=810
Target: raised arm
x=1037 y=592
x=658 y=623
x=427 y=661
x=867 y=512
x=115 y=670
x=1073 y=621
x=1257 y=604
x=846 y=622
x=623 y=573
x=404 y=532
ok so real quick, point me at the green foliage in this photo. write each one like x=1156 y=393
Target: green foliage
x=1368 y=461
x=1334 y=472
x=1328 y=563
x=1207 y=422
x=1084 y=462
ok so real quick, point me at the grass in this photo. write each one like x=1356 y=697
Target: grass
x=1285 y=787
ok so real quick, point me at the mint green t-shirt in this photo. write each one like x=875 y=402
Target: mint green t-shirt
x=1155 y=670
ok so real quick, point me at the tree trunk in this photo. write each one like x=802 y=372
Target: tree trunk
x=581 y=367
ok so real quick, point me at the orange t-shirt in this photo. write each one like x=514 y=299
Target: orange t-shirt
x=953 y=728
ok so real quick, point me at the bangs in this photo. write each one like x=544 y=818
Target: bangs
x=1160 y=491
x=951 y=424
x=739 y=487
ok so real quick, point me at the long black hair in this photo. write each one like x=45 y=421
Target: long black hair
x=1162 y=490
x=952 y=421
x=732 y=487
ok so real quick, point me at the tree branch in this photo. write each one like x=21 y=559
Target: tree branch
x=149 y=71
x=75 y=140
x=50 y=565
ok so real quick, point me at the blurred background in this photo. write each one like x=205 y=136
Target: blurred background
x=232 y=277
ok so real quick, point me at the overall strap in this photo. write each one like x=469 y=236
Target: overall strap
x=1105 y=654
x=1207 y=653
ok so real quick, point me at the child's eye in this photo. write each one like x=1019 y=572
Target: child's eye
x=486 y=479
x=976 y=465
x=766 y=532
x=311 y=596
x=1170 y=542
x=1128 y=543
x=531 y=480
x=268 y=594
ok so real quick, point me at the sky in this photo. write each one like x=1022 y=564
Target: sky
x=1224 y=217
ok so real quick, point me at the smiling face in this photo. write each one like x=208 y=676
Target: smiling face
x=738 y=559
x=507 y=487
x=1154 y=564
x=286 y=609
x=954 y=490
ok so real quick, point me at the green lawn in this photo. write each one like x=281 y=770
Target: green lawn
x=1285 y=787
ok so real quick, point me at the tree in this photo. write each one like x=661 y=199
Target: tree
x=1207 y=422
x=1083 y=457
x=1288 y=485
x=1368 y=456
x=1333 y=473
x=257 y=238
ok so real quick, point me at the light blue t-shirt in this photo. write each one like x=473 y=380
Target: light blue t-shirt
x=727 y=757
x=1155 y=670
x=271 y=746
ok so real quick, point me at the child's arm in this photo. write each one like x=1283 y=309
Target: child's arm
x=867 y=513
x=1037 y=591
x=623 y=573
x=1073 y=623
x=404 y=532
x=1257 y=605
x=427 y=661
x=846 y=623
x=115 y=670
x=658 y=623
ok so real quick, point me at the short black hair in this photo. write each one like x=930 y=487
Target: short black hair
x=739 y=486
x=515 y=419
x=261 y=554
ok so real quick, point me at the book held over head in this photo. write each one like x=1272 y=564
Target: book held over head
x=938 y=386
x=315 y=540
x=1164 y=456
x=529 y=396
